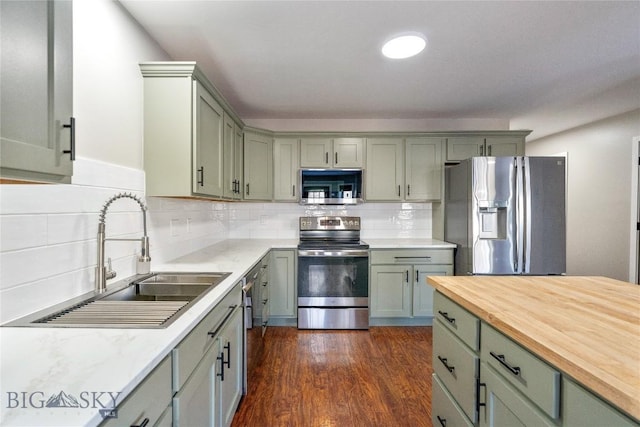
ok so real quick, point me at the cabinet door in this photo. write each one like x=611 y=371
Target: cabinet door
x=506 y=407
x=208 y=129
x=282 y=274
x=504 y=146
x=229 y=158
x=285 y=169
x=258 y=161
x=423 y=168
x=390 y=291
x=384 y=169
x=194 y=404
x=422 y=291
x=36 y=83
x=583 y=409
x=348 y=153
x=230 y=368
x=238 y=160
x=315 y=153
x=460 y=148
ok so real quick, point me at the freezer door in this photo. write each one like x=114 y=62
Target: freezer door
x=545 y=222
x=493 y=215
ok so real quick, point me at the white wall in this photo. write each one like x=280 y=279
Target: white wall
x=47 y=232
x=598 y=189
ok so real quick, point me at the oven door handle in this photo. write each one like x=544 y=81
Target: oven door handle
x=333 y=253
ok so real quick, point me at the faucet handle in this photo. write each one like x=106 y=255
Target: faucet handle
x=110 y=274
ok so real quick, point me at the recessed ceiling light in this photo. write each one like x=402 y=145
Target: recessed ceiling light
x=404 y=46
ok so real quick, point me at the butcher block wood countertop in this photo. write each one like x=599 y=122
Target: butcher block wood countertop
x=587 y=327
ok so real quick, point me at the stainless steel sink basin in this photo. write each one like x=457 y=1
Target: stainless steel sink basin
x=167 y=287
x=149 y=301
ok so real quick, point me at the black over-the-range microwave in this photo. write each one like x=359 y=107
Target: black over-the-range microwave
x=331 y=186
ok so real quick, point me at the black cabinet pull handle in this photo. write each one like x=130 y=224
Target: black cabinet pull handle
x=336 y=158
x=72 y=138
x=446 y=364
x=478 y=385
x=221 y=373
x=408 y=189
x=228 y=348
x=444 y=314
x=399 y=189
x=293 y=193
x=515 y=370
x=407 y=276
x=443 y=421
x=326 y=157
x=201 y=178
x=417 y=275
x=142 y=424
x=247 y=189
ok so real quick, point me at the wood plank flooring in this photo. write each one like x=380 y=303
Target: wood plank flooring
x=380 y=377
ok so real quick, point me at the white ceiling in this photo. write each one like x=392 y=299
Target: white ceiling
x=512 y=60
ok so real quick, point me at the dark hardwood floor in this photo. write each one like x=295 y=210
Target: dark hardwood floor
x=380 y=377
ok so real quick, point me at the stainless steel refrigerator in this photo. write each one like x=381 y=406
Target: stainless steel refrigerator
x=507 y=215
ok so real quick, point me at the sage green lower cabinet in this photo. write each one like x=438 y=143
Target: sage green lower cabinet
x=512 y=386
x=207 y=367
x=398 y=278
x=504 y=406
x=282 y=284
x=445 y=410
x=262 y=295
x=150 y=402
x=581 y=408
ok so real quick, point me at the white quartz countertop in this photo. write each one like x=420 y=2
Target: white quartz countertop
x=97 y=366
x=408 y=244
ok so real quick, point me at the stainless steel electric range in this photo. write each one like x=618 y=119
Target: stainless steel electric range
x=333 y=274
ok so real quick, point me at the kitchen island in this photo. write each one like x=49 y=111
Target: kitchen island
x=588 y=328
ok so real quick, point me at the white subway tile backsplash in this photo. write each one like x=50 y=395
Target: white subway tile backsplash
x=48 y=232
x=22 y=231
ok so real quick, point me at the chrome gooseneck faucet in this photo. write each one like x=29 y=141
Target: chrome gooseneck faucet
x=102 y=274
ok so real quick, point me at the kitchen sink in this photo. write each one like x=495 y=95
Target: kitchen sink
x=149 y=301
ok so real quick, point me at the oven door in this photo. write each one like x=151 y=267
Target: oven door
x=333 y=289
x=328 y=278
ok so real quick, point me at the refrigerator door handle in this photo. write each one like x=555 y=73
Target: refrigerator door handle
x=520 y=216
x=526 y=268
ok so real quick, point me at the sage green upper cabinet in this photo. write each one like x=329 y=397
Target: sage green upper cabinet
x=258 y=163
x=183 y=132
x=504 y=146
x=384 y=173
x=423 y=169
x=463 y=147
x=285 y=165
x=232 y=164
x=332 y=153
x=36 y=81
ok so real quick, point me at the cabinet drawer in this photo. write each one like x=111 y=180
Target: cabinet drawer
x=188 y=353
x=457 y=367
x=534 y=378
x=463 y=324
x=412 y=256
x=148 y=401
x=445 y=412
